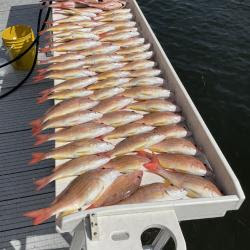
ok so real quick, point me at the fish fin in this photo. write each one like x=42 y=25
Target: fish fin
x=36 y=130
x=42 y=32
x=41 y=183
x=91 y=207
x=42 y=99
x=153 y=165
x=100 y=138
x=38 y=78
x=36 y=123
x=49 y=22
x=45 y=50
x=41 y=71
x=39 y=215
x=46 y=91
x=40 y=139
x=36 y=157
x=143 y=153
x=36 y=126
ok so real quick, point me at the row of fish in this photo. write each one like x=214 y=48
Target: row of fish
x=115 y=121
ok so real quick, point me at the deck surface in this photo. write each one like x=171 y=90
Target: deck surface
x=17 y=190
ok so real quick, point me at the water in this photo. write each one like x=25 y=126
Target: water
x=208 y=43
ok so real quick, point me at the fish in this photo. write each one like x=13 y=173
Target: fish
x=73 y=150
x=113 y=74
x=119 y=36
x=65 y=94
x=103 y=29
x=183 y=164
x=61 y=27
x=119 y=31
x=136 y=143
x=144 y=81
x=139 y=65
x=112 y=104
x=72 y=19
x=145 y=73
x=77 y=34
x=68 y=106
x=102 y=49
x=138 y=56
x=71 y=13
x=89 y=24
x=132 y=50
x=69 y=64
x=113 y=12
x=173 y=131
x=154 y=192
x=101 y=94
x=196 y=186
x=64 y=121
x=131 y=42
x=64 y=74
x=175 y=146
x=147 y=92
x=122 y=24
x=124 y=186
x=119 y=118
x=80 y=193
x=128 y=130
x=75 y=83
x=79 y=11
x=100 y=68
x=115 y=17
x=106 y=58
x=78 y=132
x=71 y=84
x=73 y=167
x=75 y=45
x=160 y=118
x=109 y=5
x=127 y=163
x=62 y=58
x=154 y=105
x=109 y=83
x=178 y=163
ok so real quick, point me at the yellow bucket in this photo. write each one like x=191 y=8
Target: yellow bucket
x=18 y=38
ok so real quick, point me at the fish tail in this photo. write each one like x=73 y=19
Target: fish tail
x=39 y=215
x=49 y=22
x=38 y=78
x=43 y=182
x=36 y=130
x=153 y=165
x=41 y=71
x=37 y=157
x=42 y=99
x=42 y=62
x=45 y=49
x=36 y=126
x=42 y=32
x=40 y=139
x=46 y=91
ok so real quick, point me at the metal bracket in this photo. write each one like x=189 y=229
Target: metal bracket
x=123 y=232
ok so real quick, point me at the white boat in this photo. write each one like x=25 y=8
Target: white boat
x=112 y=217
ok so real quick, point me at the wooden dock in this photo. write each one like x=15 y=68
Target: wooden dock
x=17 y=190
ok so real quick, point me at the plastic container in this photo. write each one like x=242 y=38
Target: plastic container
x=16 y=39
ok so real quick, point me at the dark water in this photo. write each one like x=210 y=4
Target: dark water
x=208 y=43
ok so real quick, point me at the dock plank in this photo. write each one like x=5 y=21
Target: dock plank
x=16 y=177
